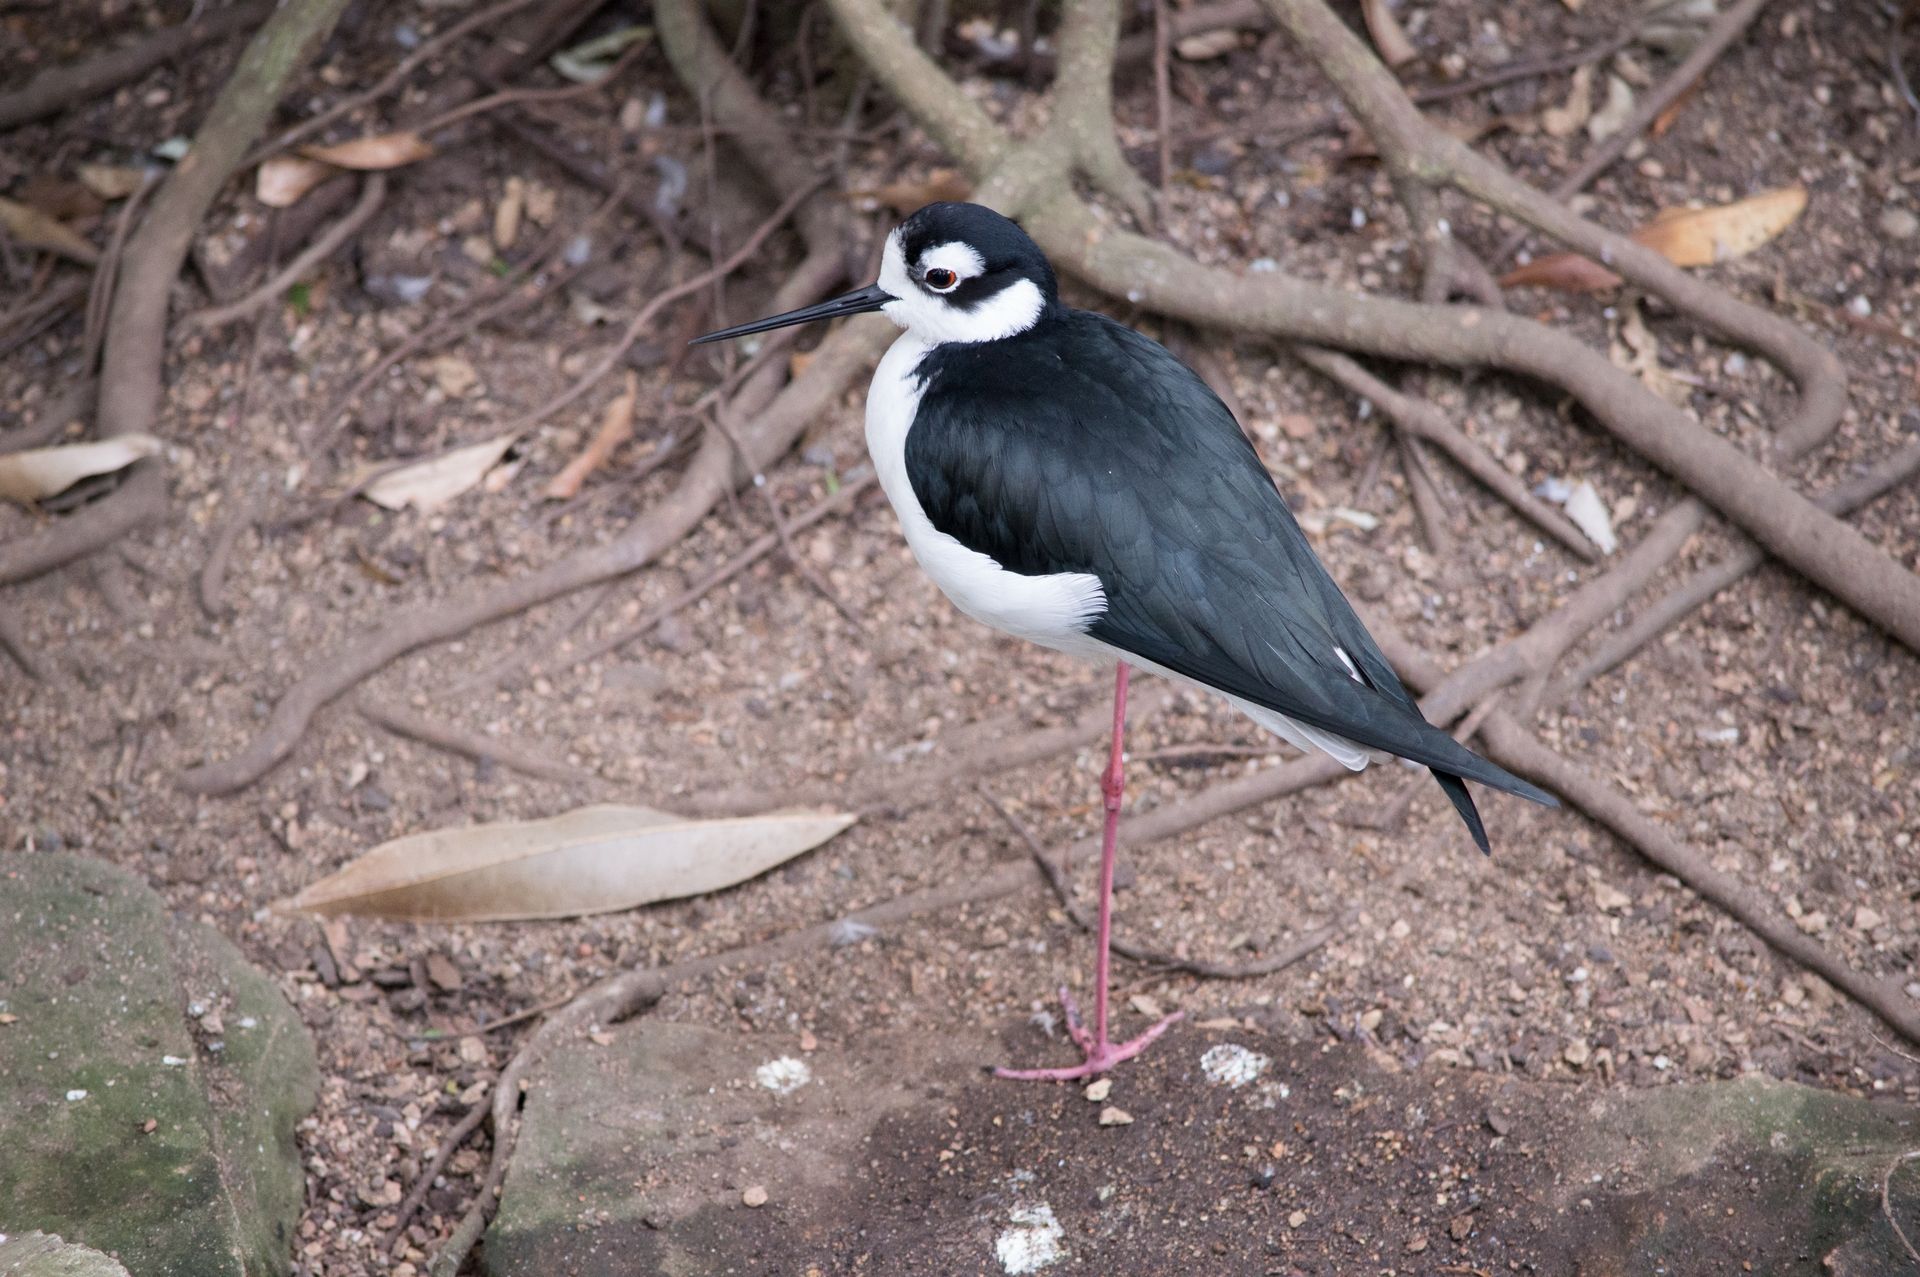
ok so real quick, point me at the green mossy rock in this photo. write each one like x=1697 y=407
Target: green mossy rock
x=150 y=1079
x=40 y=1255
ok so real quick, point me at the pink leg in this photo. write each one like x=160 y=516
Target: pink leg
x=1101 y=1054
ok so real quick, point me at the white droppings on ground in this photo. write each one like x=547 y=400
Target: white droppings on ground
x=783 y=1076
x=75 y=1096
x=1231 y=1064
x=1031 y=1241
x=1271 y=1093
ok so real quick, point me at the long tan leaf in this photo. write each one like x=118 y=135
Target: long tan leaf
x=36 y=230
x=378 y=152
x=1703 y=236
x=38 y=473
x=430 y=484
x=590 y=860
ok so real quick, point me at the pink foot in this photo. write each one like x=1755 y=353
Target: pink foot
x=1100 y=1054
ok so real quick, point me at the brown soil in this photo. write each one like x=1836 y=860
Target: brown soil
x=1463 y=972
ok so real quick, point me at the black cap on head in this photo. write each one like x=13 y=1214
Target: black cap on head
x=1007 y=250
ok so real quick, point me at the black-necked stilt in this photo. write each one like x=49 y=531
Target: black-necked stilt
x=1067 y=480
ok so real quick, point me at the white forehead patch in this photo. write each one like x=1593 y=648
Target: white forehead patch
x=955 y=256
x=937 y=320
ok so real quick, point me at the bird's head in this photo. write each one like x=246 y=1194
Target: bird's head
x=950 y=273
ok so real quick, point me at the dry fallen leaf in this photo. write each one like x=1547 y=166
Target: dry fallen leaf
x=1704 y=236
x=61 y=198
x=430 y=484
x=1565 y=120
x=1684 y=236
x=282 y=180
x=378 y=152
x=1568 y=272
x=111 y=181
x=455 y=376
x=36 y=230
x=38 y=473
x=616 y=427
x=1589 y=513
x=590 y=860
x=1206 y=45
x=590 y=62
x=1638 y=351
x=508 y=212
x=1396 y=50
x=1612 y=117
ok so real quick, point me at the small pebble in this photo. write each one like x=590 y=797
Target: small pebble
x=755 y=1195
x=1296 y=1219
x=1899 y=223
x=1114 y=1115
x=1859 y=305
x=1098 y=1089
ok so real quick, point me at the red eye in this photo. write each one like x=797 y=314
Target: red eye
x=939 y=279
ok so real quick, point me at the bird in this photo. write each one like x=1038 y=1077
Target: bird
x=1069 y=481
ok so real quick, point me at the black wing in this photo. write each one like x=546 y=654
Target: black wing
x=1082 y=446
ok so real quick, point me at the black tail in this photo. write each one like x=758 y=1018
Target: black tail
x=1456 y=791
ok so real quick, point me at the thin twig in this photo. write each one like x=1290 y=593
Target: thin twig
x=1163 y=97
x=474 y=745
x=449 y=1144
x=392 y=80
x=1056 y=877
x=1886 y=1200
x=638 y=324
x=531 y=97
x=782 y=530
x=758 y=549
x=373 y=193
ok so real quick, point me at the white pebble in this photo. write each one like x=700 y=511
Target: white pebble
x=1032 y=1242
x=1231 y=1064
x=783 y=1076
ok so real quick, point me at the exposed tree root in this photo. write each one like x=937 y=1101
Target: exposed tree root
x=140 y=500
x=58 y=88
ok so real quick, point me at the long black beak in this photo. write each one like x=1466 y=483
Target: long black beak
x=857 y=302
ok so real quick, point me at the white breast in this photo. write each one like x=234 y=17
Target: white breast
x=1053 y=611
